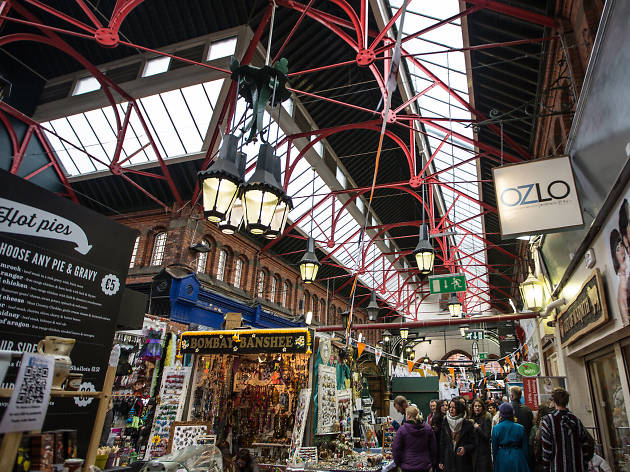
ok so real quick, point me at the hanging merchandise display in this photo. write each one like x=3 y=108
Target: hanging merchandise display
x=327 y=421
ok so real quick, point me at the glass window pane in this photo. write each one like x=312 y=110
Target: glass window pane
x=222 y=48
x=85 y=85
x=156 y=66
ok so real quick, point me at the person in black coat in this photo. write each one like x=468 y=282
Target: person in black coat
x=482 y=422
x=523 y=413
x=457 y=440
x=437 y=419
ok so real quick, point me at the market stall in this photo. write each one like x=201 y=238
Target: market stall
x=247 y=387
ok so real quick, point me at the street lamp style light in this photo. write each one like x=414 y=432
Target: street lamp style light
x=412 y=356
x=309 y=264
x=386 y=336
x=373 y=308
x=281 y=213
x=426 y=359
x=532 y=292
x=262 y=192
x=424 y=252
x=221 y=181
x=233 y=219
x=345 y=317
x=404 y=333
x=454 y=306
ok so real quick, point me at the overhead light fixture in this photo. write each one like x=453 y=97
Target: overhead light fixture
x=360 y=337
x=233 y=219
x=308 y=318
x=462 y=332
x=412 y=356
x=408 y=349
x=345 y=318
x=424 y=252
x=262 y=192
x=221 y=181
x=404 y=333
x=454 y=306
x=201 y=246
x=386 y=336
x=525 y=237
x=426 y=359
x=281 y=213
x=532 y=292
x=309 y=264
x=373 y=308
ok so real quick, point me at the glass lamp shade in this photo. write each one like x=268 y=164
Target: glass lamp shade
x=412 y=356
x=424 y=252
x=404 y=333
x=309 y=264
x=279 y=218
x=532 y=291
x=233 y=219
x=262 y=192
x=373 y=308
x=454 y=306
x=386 y=336
x=220 y=183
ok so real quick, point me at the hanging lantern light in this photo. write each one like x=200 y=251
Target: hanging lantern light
x=221 y=181
x=309 y=264
x=532 y=292
x=262 y=192
x=232 y=221
x=424 y=252
x=285 y=205
x=345 y=317
x=404 y=333
x=373 y=308
x=412 y=356
x=386 y=336
x=454 y=306
x=426 y=359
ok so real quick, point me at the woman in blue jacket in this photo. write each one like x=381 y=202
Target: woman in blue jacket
x=509 y=443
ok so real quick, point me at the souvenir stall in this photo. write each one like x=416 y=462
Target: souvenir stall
x=250 y=389
x=145 y=357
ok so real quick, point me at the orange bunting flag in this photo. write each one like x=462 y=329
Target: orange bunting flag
x=483 y=369
x=518 y=355
x=360 y=347
x=507 y=359
x=410 y=365
x=524 y=349
x=452 y=371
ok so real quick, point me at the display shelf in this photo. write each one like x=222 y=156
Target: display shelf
x=270 y=445
x=6 y=393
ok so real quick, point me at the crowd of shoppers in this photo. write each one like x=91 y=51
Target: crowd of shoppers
x=485 y=437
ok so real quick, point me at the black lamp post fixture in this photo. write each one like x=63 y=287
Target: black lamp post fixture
x=404 y=333
x=426 y=359
x=387 y=336
x=424 y=252
x=345 y=317
x=373 y=308
x=221 y=181
x=309 y=264
x=262 y=192
x=454 y=306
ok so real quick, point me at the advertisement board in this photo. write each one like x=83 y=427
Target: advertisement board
x=537 y=197
x=62 y=273
x=537 y=390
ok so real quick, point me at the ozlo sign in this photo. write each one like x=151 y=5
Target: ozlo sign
x=537 y=197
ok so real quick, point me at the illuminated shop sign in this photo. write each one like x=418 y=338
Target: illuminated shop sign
x=537 y=197
x=246 y=341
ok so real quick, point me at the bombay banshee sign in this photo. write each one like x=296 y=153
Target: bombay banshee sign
x=62 y=273
x=537 y=197
x=294 y=341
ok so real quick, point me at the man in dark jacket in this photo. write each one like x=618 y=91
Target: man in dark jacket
x=415 y=447
x=523 y=414
x=400 y=404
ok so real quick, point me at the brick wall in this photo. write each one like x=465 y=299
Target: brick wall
x=185 y=230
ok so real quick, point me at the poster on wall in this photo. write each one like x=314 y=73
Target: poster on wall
x=617 y=234
x=63 y=268
x=537 y=197
x=537 y=390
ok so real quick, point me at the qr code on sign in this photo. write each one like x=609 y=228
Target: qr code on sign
x=34 y=385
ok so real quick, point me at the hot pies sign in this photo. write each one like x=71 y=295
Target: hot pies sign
x=246 y=342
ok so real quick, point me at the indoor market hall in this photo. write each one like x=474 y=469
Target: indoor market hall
x=314 y=236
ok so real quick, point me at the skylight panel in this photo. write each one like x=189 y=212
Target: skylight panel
x=86 y=85
x=341 y=177
x=158 y=115
x=222 y=48
x=180 y=114
x=156 y=66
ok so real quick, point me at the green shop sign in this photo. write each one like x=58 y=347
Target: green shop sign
x=528 y=369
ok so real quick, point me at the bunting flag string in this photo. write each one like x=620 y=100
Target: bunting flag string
x=377 y=354
x=410 y=365
x=360 y=348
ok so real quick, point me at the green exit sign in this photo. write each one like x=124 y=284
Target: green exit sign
x=483 y=356
x=447 y=283
x=474 y=336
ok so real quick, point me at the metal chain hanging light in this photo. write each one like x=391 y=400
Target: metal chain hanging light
x=309 y=264
x=454 y=306
x=424 y=252
x=373 y=308
x=221 y=181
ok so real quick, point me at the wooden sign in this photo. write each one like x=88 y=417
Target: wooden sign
x=251 y=341
x=586 y=312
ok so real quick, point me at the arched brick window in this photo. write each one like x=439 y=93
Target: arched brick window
x=159 y=246
x=221 y=264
